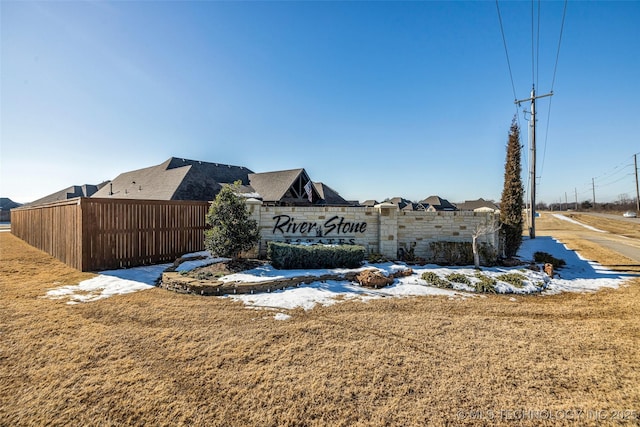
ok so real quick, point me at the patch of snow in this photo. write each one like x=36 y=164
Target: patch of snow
x=282 y=316
x=110 y=283
x=192 y=265
x=573 y=221
x=579 y=275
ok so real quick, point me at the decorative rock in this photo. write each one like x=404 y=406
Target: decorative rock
x=373 y=279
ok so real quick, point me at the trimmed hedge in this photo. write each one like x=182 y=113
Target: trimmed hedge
x=284 y=256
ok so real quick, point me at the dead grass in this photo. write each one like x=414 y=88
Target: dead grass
x=624 y=228
x=572 y=236
x=160 y=358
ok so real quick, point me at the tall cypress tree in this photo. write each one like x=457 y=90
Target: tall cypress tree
x=512 y=200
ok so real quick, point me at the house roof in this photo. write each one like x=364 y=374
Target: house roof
x=6 y=203
x=273 y=186
x=438 y=203
x=405 y=204
x=86 y=190
x=175 y=179
x=329 y=195
x=369 y=203
x=471 y=205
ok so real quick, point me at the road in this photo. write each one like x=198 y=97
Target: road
x=625 y=246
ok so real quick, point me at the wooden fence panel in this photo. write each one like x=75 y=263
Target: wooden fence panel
x=53 y=228
x=99 y=234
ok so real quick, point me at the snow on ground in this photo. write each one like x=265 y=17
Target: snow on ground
x=579 y=275
x=573 y=221
x=110 y=283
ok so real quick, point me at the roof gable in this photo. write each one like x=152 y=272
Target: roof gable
x=282 y=186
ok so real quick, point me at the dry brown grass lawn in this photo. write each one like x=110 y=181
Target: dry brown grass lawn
x=160 y=358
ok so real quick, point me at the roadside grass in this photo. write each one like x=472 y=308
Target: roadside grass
x=161 y=358
x=624 y=228
x=569 y=234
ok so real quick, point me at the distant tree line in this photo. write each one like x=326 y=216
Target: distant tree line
x=624 y=203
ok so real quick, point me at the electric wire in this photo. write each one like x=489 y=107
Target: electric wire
x=506 y=51
x=553 y=81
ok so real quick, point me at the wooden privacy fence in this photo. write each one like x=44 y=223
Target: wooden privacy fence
x=100 y=234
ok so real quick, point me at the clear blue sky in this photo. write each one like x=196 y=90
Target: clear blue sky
x=375 y=99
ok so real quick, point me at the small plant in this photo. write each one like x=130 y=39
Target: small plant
x=204 y=275
x=409 y=254
x=376 y=258
x=514 y=279
x=458 y=278
x=433 y=279
x=485 y=284
x=545 y=258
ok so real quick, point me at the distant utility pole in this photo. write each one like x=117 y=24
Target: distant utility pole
x=532 y=229
x=593 y=188
x=635 y=161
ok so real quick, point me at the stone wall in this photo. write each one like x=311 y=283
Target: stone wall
x=380 y=229
x=418 y=228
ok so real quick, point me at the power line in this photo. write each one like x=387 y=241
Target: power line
x=506 y=51
x=537 y=45
x=555 y=67
x=553 y=80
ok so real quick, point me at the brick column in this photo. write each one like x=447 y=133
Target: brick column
x=388 y=230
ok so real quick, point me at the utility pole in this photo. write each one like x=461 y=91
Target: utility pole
x=566 y=202
x=593 y=187
x=532 y=229
x=635 y=161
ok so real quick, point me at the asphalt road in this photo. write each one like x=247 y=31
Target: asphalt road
x=625 y=246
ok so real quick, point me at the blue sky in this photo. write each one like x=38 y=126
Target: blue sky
x=375 y=99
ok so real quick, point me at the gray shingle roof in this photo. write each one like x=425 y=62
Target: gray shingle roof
x=86 y=190
x=438 y=203
x=330 y=196
x=470 y=205
x=6 y=203
x=273 y=186
x=175 y=179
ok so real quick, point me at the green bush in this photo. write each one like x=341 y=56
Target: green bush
x=514 y=279
x=376 y=258
x=232 y=230
x=458 y=278
x=433 y=279
x=545 y=258
x=485 y=284
x=284 y=256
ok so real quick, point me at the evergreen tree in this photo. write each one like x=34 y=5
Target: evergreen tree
x=232 y=230
x=512 y=203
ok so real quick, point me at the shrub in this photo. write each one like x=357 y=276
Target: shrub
x=545 y=258
x=514 y=279
x=485 y=284
x=232 y=229
x=458 y=278
x=461 y=253
x=375 y=258
x=433 y=279
x=285 y=256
